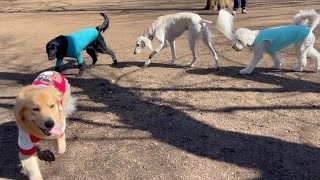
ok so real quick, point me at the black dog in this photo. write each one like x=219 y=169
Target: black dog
x=71 y=45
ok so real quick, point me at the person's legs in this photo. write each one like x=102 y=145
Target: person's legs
x=236 y=4
x=244 y=6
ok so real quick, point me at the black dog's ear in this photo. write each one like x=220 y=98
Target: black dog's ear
x=61 y=44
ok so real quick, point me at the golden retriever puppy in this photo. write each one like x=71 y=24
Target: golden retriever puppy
x=40 y=111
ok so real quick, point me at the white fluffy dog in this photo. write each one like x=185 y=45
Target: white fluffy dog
x=167 y=28
x=274 y=39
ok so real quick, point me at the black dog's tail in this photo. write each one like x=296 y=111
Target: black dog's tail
x=104 y=25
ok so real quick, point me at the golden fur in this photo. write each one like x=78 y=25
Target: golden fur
x=35 y=105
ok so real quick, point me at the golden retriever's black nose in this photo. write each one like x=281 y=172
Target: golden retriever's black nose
x=49 y=123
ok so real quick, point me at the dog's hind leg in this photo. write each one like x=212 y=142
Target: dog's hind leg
x=213 y=52
x=315 y=55
x=192 y=44
x=100 y=46
x=173 y=51
x=301 y=52
x=113 y=56
x=276 y=60
x=207 y=36
x=93 y=55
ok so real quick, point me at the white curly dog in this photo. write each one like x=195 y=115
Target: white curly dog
x=273 y=40
x=167 y=28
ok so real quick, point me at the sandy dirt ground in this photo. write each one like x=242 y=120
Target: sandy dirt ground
x=164 y=122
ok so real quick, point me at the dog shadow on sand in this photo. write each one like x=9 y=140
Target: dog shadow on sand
x=263 y=75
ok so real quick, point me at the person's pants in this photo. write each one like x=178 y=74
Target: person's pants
x=237 y=3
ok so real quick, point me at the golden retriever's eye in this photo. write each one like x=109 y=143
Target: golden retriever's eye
x=36 y=109
x=52 y=106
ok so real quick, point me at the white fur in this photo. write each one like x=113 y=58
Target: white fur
x=167 y=28
x=225 y=23
x=244 y=37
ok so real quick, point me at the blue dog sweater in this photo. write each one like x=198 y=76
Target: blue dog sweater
x=77 y=42
x=281 y=37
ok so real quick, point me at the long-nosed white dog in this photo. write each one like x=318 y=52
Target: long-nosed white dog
x=167 y=28
x=274 y=39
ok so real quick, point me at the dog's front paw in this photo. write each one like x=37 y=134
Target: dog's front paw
x=192 y=64
x=297 y=68
x=277 y=66
x=80 y=74
x=245 y=71
x=35 y=177
x=147 y=63
x=172 y=62
x=61 y=150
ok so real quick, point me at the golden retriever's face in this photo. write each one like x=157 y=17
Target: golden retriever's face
x=38 y=111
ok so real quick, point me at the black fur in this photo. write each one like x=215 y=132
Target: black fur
x=57 y=48
x=105 y=24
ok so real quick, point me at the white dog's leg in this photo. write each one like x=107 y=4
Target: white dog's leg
x=192 y=43
x=161 y=46
x=315 y=55
x=173 y=51
x=213 y=52
x=30 y=164
x=276 y=60
x=258 y=51
x=301 y=52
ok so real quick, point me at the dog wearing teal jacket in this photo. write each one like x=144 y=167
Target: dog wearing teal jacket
x=272 y=40
x=73 y=44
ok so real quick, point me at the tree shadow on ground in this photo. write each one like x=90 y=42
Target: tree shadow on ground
x=10 y=164
x=274 y=158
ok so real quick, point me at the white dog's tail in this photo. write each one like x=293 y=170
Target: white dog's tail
x=307 y=18
x=207 y=35
x=225 y=23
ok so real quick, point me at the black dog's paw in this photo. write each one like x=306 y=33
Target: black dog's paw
x=58 y=69
x=80 y=74
x=46 y=155
x=82 y=67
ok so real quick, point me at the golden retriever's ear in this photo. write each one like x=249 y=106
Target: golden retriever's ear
x=20 y=101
